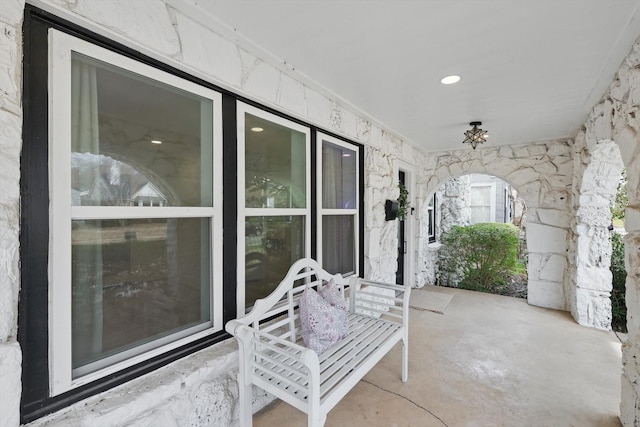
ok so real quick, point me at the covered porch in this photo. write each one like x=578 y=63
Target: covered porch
x=484 y=360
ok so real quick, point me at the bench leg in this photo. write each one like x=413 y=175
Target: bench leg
x=246 y=405
x=405 y=360
x=316 y=420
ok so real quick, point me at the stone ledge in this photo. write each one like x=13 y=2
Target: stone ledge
x=200 y=389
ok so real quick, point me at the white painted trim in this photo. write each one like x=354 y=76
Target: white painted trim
x=133 y=212
x=244 y=212
x=60 y=348
x=61 y=46
x=410 y=221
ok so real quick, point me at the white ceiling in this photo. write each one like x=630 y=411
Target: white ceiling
x=531 y=69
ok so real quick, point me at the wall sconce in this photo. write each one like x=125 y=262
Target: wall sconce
x=391 y=210
x=475 y=135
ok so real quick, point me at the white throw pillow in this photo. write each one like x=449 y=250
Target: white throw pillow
x=322 y=324
x=333 y=296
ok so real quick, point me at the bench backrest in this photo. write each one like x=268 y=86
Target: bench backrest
x=282 y=304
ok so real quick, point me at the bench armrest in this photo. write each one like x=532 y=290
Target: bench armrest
x=281 y=360
x=380 y=299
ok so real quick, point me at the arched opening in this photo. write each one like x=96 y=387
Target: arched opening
x=542 y=173
x=480 y=199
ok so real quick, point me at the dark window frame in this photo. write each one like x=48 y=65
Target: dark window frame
x=432 y=218
x=33 y=306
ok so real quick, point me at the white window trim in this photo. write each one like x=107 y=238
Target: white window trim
x=244 y=212
x=61 y=213
x=320 y=137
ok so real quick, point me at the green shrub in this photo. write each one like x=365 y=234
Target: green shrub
x=481 y=256
x=618 y=305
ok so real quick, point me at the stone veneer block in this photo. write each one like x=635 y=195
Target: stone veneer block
x=546 y=294
x=200 y=389
x=146 y=22
x=593 y=309
x=632 y=220
x=349 y=123
x=551 y=266
x=546 y=239
x=12 y=12
x=10 y=383
x=291 y=95
x=594 y=278
x=9 y=68
x=259 y=78
x=553 y=217
x=208 y=52
x=9 y=273
x=629 y=402
x=318 y=107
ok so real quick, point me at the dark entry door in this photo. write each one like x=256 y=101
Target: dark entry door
x=402 y=244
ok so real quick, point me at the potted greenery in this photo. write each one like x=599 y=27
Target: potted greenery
x=403 y=202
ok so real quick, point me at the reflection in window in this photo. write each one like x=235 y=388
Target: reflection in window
x=133 y=136
x=275 y=165
x=338 y=252
x=134 y=281
x=338 y=177
x=272 y=244
x=101 y=180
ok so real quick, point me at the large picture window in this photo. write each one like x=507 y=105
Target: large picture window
x=338 y=200
x=134 y=184
x=274 y=200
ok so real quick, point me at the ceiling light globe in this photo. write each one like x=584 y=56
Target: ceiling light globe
x=449 y=80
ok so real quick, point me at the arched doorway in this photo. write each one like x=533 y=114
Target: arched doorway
x=478 y=199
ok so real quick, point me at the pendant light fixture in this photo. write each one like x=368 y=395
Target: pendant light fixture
x=475 y=135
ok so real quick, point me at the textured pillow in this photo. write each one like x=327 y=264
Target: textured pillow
x=333 y=296
x=322 y=324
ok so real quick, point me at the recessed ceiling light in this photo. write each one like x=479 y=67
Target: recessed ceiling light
x=156 y=141
x=256 y=129
x=449 y=80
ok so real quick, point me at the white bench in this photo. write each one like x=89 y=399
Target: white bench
x=274 y=358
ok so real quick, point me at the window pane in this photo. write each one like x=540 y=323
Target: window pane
x=338 y=177
x=480 y=196
x=480 y=214
x=272 y=244
x=136 y=141
x=134 y=281
x=338 y=240
x=431 y=224
x=275 y=165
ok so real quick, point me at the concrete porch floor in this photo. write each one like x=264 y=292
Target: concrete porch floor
x=487 y=361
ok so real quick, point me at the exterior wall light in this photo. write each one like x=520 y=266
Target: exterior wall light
x=475 y=135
